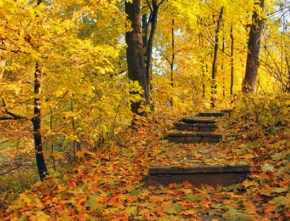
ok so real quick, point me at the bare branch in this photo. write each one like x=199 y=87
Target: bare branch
x=12 y=115
x=161 y=3
x=148 y=3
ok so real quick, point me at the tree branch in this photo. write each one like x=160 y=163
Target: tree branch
x=12 y=115
x=161 y=3
x=148 y=3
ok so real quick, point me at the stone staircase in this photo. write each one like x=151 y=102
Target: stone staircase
x=199 y=129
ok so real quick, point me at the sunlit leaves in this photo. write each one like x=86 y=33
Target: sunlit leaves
x=83 y=97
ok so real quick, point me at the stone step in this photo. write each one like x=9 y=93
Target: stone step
x=197 y=175
x=194 y=137
x=195 y=127
x=210 y=114
x=197 y=121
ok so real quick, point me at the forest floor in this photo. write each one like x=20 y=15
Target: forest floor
x=111 y=184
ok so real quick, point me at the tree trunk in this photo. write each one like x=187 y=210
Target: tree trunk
x=172 y=61
x=134 y=51
x=204 y=70
x=232 y=61
x=145 y=30
x=76 y=144
x=52 y=139
x=249 y=83
x=214 y=64
x=36 y=120
x=149 y=47
x=287 y=85
x=222 y=66
x=153 y=21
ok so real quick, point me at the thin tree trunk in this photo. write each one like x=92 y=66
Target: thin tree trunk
x=76 y=144
x=204 y=68
x=36 y=120
x=172 y=60
x=287 y=87
x=145 y=30
x=149 y=47
x=153 y=21
x=52 y=139
x=134 y=51
x=249 y=82
x=203 y=83
x=222 y=66
x=2 y=66
x=204 y=74
x=214 y=64
x=232 y=61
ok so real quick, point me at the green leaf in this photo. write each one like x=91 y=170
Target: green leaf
x=134 y=192
x=179 y=207
x=192 y=198
x=171 y=211
x=166 y=218
x=217 y=206
x=133 y=210
x=281 y=200
x=176 y=208
x=267 y=167
x=280 y=190
x=234 y=214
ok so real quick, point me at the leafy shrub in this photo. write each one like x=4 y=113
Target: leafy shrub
x=262 y=114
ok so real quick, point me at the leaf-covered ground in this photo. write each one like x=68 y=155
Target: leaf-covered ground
x=112 y=185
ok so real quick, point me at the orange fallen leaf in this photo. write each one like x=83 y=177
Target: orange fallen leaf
x=270 y=209
x=190 y=212
x=248 y=183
